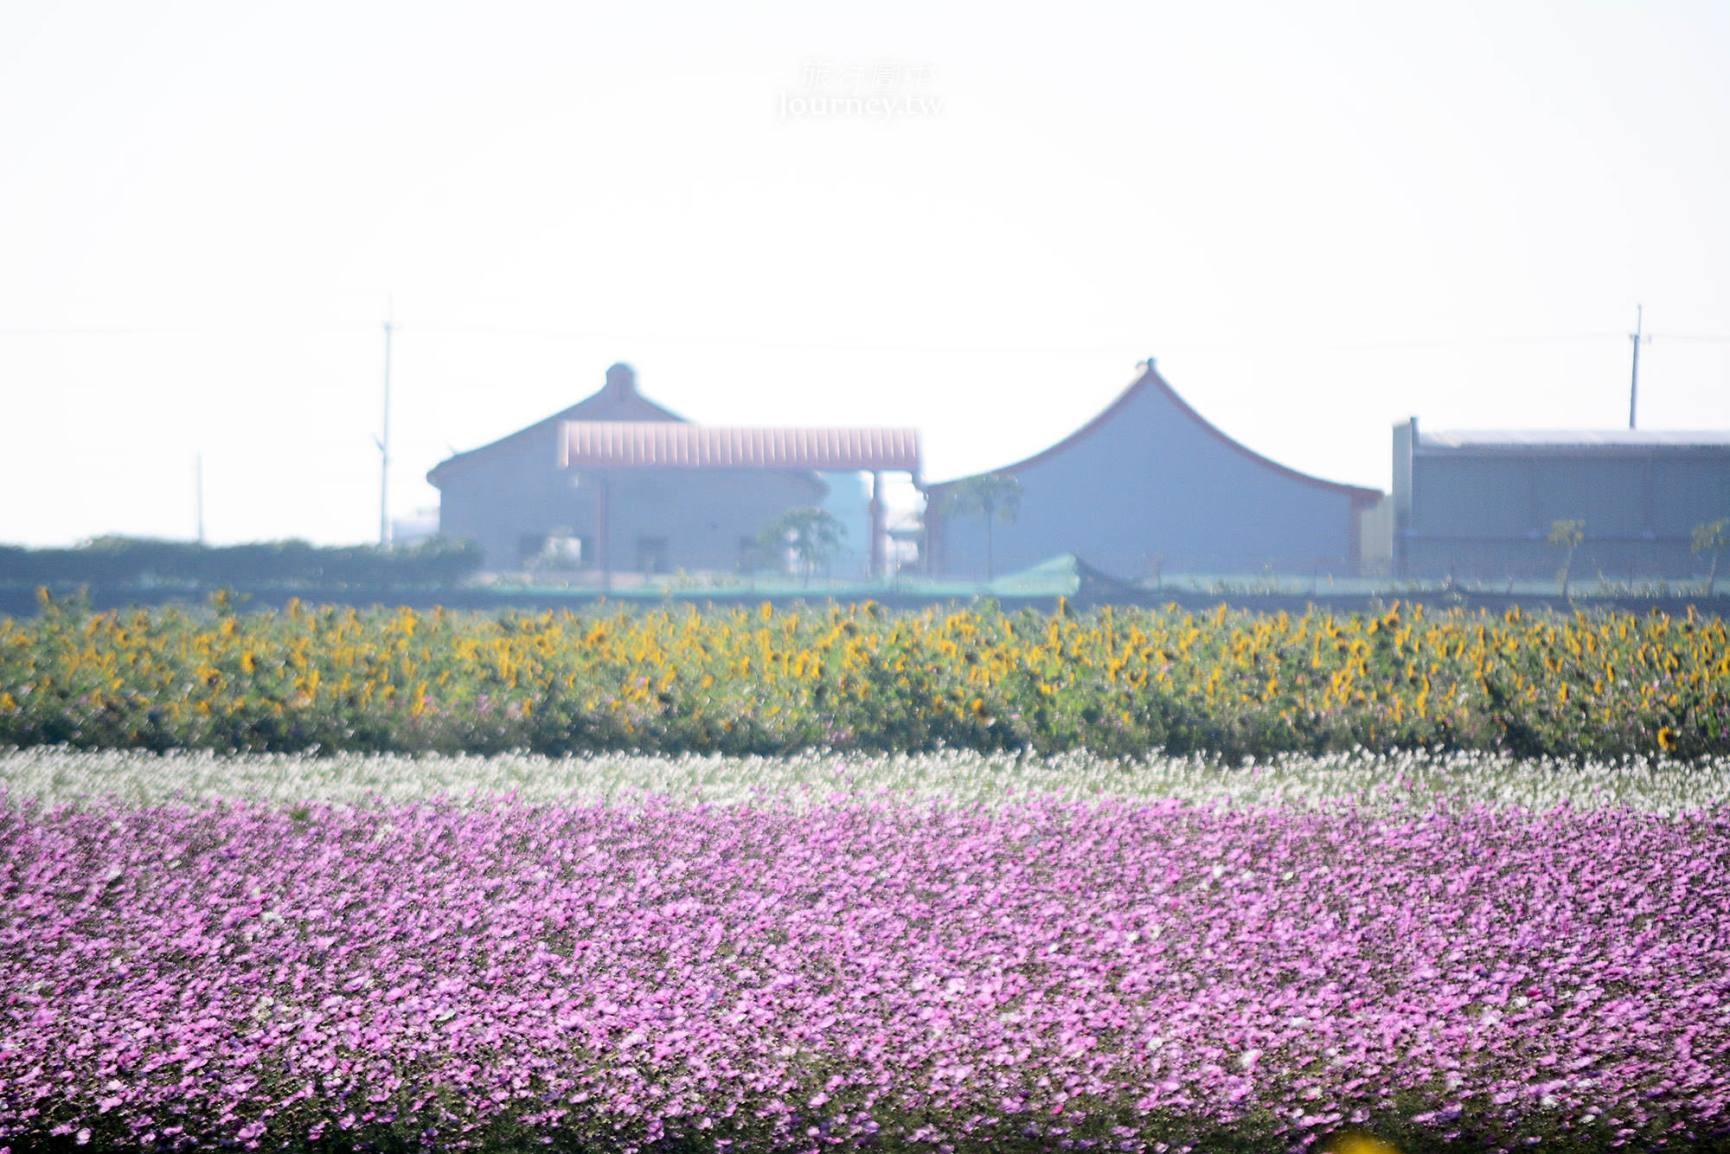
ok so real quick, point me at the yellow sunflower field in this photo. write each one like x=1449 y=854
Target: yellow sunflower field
x=765 y=680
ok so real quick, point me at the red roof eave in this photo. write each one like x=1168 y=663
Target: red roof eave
x=643 y=444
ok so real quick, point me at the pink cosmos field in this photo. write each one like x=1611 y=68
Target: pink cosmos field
x=1109 y=975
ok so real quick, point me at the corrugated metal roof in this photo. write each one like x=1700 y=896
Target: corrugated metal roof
x=663 y=445
x=1575 y=439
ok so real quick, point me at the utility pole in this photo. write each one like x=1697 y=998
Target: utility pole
x=384 y=442
x=198 y=484
x=1639 y=338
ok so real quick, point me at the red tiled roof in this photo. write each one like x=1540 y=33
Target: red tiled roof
x=665 y=445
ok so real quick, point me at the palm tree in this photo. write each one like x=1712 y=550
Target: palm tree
x=1566 y=535
x=1710 y=538
x=812 y=535
x=993 y=496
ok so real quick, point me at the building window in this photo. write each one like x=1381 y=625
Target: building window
x=565 y=551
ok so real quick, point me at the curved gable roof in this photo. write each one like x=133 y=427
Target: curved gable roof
x=1150 y=380
x=608 y=404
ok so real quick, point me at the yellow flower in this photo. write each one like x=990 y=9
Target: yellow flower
x=1357 y=1143
x=1666 y=738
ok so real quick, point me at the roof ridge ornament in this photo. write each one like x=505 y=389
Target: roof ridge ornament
x=621 y=380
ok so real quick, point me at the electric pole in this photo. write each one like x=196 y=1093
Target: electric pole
x=384 y=443
x=1638 y=337
x=198 y=483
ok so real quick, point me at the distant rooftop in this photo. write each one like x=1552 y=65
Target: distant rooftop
x=617 y=400
x=1490 y=440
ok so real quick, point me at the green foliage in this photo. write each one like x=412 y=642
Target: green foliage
x=1710 y=538
x=143 y=562
x=992 y=497
x=988 y=495
x=1567 y=536
x=810 y=534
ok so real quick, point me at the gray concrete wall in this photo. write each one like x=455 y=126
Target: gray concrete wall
x=514 y=498
x=1376 y=538
x=848 y=500
x=702 y=516
x=512 y=494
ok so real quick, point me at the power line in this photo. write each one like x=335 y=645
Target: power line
x=1392 y=344
x=177 y=331
x=84 y=332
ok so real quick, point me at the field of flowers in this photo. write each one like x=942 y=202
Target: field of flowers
x=1230 y=684
x=953 y=952
x=1371 y=783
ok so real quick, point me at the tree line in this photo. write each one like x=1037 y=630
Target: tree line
x=138 y=561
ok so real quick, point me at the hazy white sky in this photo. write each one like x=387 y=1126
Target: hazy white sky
x=1321 y=218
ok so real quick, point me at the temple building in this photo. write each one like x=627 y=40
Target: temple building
x=1149 y=486
x=616 y=484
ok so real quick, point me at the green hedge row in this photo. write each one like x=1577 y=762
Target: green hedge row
x=142 y=561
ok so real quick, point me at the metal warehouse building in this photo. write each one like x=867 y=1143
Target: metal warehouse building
x=1481 y=504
